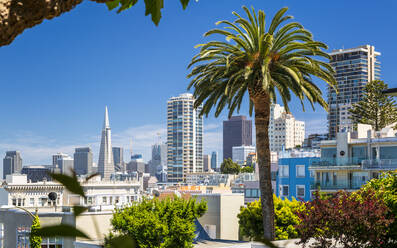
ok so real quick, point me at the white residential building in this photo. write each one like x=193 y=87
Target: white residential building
x=284 y=130
x=184 y=137
x=240 y=153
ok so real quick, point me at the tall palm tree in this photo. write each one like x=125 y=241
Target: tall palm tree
x=262 y=62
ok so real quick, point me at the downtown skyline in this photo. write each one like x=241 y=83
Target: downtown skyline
x=60 y=103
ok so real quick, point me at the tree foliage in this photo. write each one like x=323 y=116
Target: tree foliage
x=247 y=169
x=375 y=108
x=16 y=16
x=229 y=167
x=159 y=223
x=263 y=61
x=353 y=220
x=285 y=219
x=34 y=239
x=386 y=188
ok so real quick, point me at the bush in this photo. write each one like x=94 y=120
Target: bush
x=158 y=223
x=247 y=169
x=386 y=188
x=351 y=219
x=250 y=219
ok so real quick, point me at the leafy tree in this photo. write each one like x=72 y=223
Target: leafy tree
x=386 y=188
x=229 y=167
x=259 y=61
x=159 y=223
x=34 y=239
x=376 y=108
x=250 y=219
x=247 y=169
x=16 y=16
x=352 y=220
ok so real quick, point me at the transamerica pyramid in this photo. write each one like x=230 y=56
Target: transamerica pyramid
x=105 y=162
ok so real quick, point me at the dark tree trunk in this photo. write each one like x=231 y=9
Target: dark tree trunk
x=18 y=15
x=262 y=116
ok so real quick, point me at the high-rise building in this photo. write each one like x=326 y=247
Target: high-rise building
x=354 y=68
x=105 y=162
x=285 y=131
x=12 y=163
x=65 y=164
x=83 y=161
x=237 y=131
x=57 y=156
x=240 y=153
x=159 y=161
x=214 y=161
x=118 y=157
x=184 y=137
x=207 y=162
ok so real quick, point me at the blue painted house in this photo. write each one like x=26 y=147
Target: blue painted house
x=293 y=177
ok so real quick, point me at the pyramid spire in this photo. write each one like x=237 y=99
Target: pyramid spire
x=106 y=119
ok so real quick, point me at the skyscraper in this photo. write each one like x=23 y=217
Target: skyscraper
x=118 y=157
x=184 y=137
x=214 y=160
x=240 y=153
x=159 y=161
x=237 y=131
x=354 y=68
x=105 y=162
x=207 y=162
x=12 y=163
x=83 y=160
x=284 y=130
x=65 y=164
x=57 y=156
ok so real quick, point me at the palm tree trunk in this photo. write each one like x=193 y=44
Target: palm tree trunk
x=262 y=116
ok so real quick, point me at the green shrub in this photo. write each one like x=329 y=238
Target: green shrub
x=285 y=219
x=155 y=223
x=34 y=239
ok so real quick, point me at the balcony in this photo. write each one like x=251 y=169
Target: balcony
x=379 y=164
x=353 y=184
x=336 y=163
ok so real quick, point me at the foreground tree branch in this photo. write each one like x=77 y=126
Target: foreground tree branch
x=18 y=15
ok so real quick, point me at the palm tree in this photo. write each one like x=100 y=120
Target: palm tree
x=282 y=59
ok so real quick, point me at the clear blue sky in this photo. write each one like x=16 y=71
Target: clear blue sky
x=57 y=77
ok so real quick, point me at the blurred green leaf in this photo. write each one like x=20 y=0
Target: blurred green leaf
x=91 y=176
x=184 y=3
x=70 y=183
x=113 y=4
x=79 y=210
x=61 y=230
x=153 y=8
x=122 y=241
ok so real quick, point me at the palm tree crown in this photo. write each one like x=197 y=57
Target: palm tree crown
x=259 y=61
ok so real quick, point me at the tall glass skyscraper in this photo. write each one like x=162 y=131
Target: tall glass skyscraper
x=12 y=163
x=83 y=160
x=118 y=158
x=214 y=160
x=184 y=137
x=237 y=131
x=354 y=68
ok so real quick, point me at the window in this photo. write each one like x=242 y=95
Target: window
x=284 y=170
x=31 y=202
x=300 y=170
x=104 y=200
x=14 y=201
x=300 y=191
x=284 y=190
x=23 y=233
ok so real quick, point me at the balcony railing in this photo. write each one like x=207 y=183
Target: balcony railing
x=354 y=184
x=379 y=164
x=326 y=162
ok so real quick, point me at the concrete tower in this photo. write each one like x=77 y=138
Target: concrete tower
x=105 y=162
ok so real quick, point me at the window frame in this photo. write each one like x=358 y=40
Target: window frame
x=304 y=190
x=304 y=170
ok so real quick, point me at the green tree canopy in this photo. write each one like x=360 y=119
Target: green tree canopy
x=229 y=167
x=251 y=58
x=250 y=219
x=155 y=223
x=34 y=239
x=375 y=108
x=247 y=169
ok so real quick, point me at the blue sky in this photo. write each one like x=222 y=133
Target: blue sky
x=57 y=77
